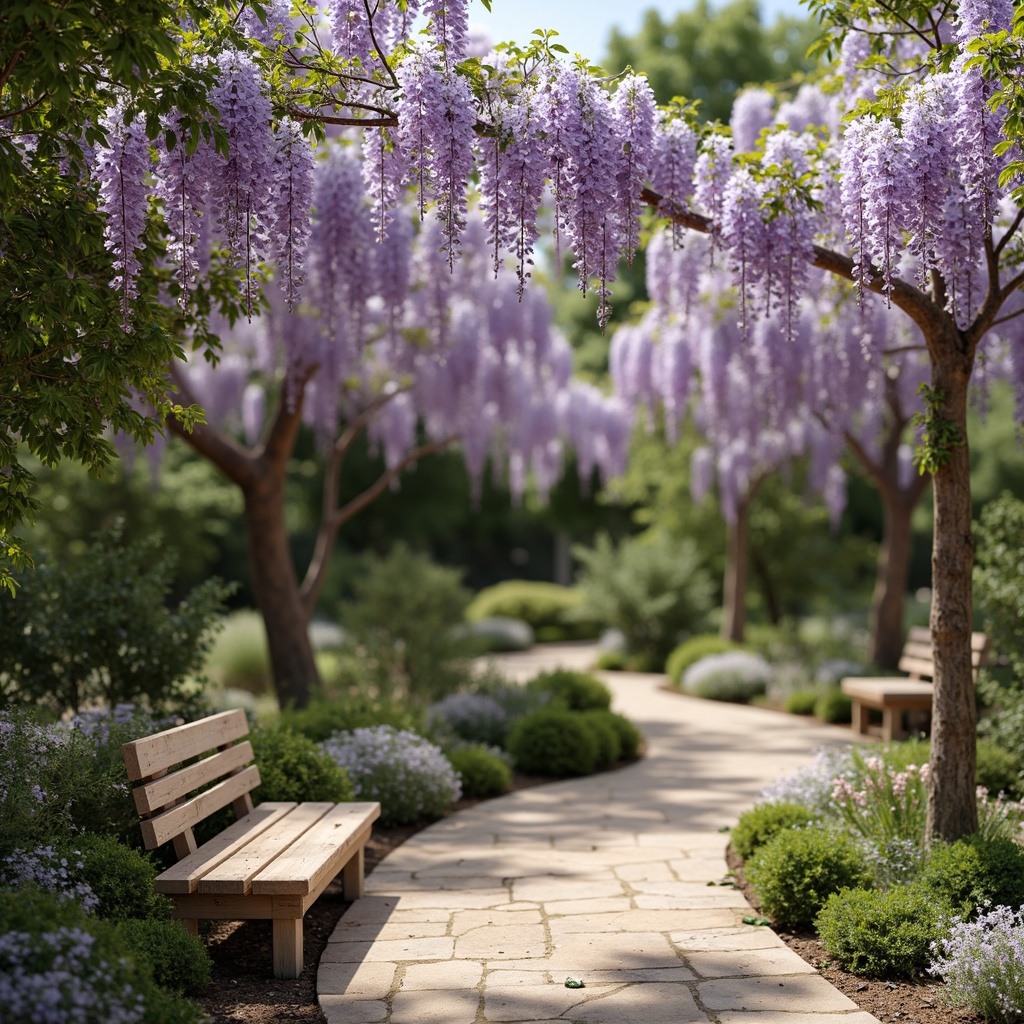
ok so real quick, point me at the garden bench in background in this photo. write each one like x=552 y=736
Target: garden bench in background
x=896 y=696
x=272 y=862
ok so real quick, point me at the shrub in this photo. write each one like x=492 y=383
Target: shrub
x=802 y=702
x=483 y=771
x=835 y=707
x=653 y=588
x=764 y=822
x=692 y=650
x=798 y=870
x=121 y=877
x=997 y=769
x=57 y=961
x=630 y=736
x=545 y=607
x=612 y=661
x=735 y=676
x=99 y=629
x=293 y=767
x=553 y=742
x=179 y=961
x=475 y=717
x=322 y=718
x=577 y=691
x=982 y=964
x=881 y=933
x=609 y=749
x=410 y=776
x=498 y=634
x=975 y=871
x=516 y=700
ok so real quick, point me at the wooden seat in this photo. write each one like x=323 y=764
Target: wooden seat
x=899 y=696
x=272 y=863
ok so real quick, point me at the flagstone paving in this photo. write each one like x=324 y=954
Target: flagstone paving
x=608 y=879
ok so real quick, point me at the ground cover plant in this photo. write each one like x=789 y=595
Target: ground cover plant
x=839 y=848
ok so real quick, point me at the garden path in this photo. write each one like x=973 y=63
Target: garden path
x=608 y=879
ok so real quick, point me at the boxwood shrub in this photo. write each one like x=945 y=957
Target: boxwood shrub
x=553 y=742
x=577 y=691
x=764 y=822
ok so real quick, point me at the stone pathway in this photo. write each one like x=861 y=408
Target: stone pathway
x=608 y=879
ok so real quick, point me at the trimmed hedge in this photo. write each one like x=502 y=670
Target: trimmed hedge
x=552 y=611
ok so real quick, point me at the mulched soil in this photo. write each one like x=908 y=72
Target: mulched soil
x=244 y=988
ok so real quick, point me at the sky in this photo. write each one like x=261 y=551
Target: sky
x=583 y=25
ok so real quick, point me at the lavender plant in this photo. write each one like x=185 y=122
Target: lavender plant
x=735 y=676
x=49 y=870
x=409 y=775
x=476 y=717
x=982 y=964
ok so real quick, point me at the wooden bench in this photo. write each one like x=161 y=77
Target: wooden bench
x=897 y=696
x=271 y=863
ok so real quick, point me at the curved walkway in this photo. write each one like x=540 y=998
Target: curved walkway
x=608 y=879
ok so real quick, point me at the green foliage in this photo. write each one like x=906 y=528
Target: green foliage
x=630 y=737
x=972 y=872
x=692 y=650
x=937 y=435
x=997 y=769
x=796 y=872
x=293 y=767
x=121 y=877
x=106 y=973
x=802 y=702
x=239 y=658
x=606 y=735
x=763 y=822
x=403 y=616
x=179 y=961
x=652 y=588
x=612 y=661
x=324 y=716
x=881 y=933
x=577 y=691
x=999 y=578
x=484 y=772
x=97 y=630
x=554 y=743
x=834 y=706
x=707 y=53
x=546 y=607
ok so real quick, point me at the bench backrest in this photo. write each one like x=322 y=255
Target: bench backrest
x=176 y=786
x=918 y=659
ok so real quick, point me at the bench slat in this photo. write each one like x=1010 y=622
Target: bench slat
x=322 y=851
x=923 y=667
x=235 y=874
x=163 y=750
x=158 y=829
x=183 y=877
x=162 y=792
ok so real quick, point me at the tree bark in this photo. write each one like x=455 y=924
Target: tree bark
x=952 y=803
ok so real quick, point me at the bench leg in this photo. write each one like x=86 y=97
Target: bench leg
x=352 y=876
x=861 y=715
x=892 y=724
x=287 y=947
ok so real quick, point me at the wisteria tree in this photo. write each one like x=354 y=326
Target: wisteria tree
x=893 y=182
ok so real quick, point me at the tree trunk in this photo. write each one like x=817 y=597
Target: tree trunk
x=276 y=589
x=952 y=804
x=891 y=578
x=734 y=604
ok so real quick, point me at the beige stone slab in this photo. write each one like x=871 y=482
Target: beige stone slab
x=435 y=1007
x=646 y=871
x=395 y=950
x=356 y=980
x=595 y=841
x=448 y=974
x=497 y=941
x=528 y=1003
x=699 y=869
x=782 y=1017
x=654 y=1003
x=401 y=883
x=632 y=920
x=426 y=914
x=678 y=973
x=742 y=937
x=606 y=905
x=535 y=964
x=560 y=887
x=498 y=978
x=451 y=900
x=463 y=921
x=748 y=962
x=713 y=897
x=618 y=951
x=699 y=893
x=808 y=993
x=369 y=910
x=341 y=1010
